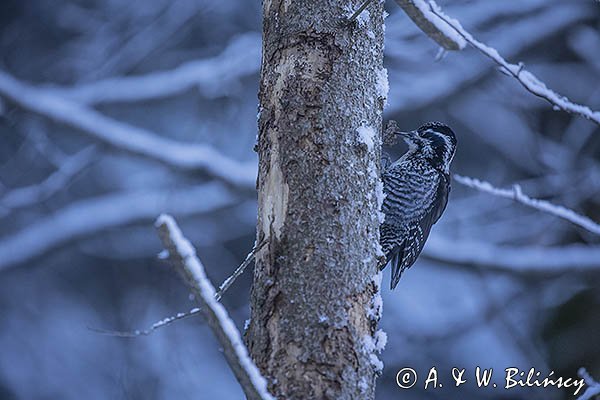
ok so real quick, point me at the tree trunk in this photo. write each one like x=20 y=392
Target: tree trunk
x=314 y=299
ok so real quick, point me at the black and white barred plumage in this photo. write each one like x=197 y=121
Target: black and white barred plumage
x=416 y=188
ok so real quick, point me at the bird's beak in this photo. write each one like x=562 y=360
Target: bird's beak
x=408 y=134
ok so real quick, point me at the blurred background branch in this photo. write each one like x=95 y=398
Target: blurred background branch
x=58 y=180
x=213 y=77
x=127 y=138
x=91 y=216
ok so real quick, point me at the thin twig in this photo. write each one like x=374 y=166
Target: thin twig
x=529 y=81
x=169 y=320
x=183 y=256
x=30 y=195
x=593 y=386
x=146 y=332
x=239 y=270
x=360 y=9
x=516 y=194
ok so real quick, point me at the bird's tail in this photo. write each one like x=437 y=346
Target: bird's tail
x=397 y=269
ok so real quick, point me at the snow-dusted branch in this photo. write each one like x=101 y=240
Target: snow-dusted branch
x=544 y=20
x=516 y=194
x=128 y=138
x=145 y=332
x=521 y=260
x=182 y=315
x=593 y=387
x=239 y=270
x=213 y=76
x=87 y=217
x=30 y=195
x=432 y=24
x=183 y=256
x=529 y=81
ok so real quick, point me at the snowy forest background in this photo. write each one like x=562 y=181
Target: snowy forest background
x=77 y=245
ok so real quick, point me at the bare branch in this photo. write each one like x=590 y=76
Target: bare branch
x=359 y=10
x=593 y=386
x=542 y=22
x=163 y=322
x=529 y=81
x=517 y=195
x=183 y=256
x=124 y=137
x=86 y=217
x=30 y=195
x=168 y=320
x=239 y=270
x=534 y=261
x=432 y=24
x=213 y=75
x=40 y=141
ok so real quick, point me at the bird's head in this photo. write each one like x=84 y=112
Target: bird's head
x=434 y=141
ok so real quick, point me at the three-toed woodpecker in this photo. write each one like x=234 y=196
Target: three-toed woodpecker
x=416 y=188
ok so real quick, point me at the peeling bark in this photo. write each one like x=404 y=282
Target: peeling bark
x=313 y=282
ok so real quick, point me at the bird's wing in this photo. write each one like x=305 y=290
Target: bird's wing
x=438 y=205
x=418 y=227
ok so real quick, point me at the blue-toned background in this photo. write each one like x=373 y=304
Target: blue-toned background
x=77 y=246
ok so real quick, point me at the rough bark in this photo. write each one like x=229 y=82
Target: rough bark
x=313 y=288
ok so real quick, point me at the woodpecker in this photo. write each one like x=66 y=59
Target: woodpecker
x=416 y=187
